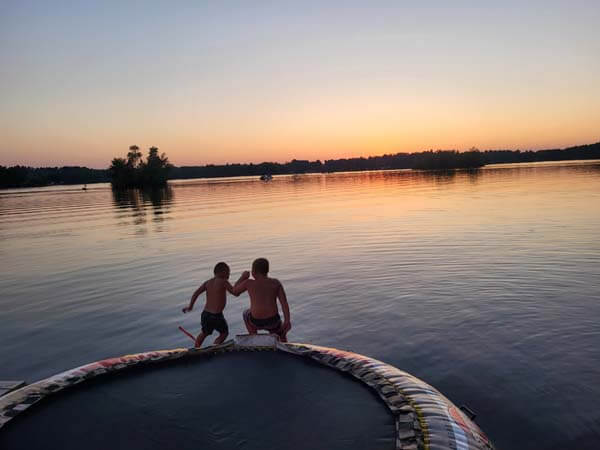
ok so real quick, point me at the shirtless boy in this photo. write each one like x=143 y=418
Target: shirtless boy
x=216 y=297
x=264 y=292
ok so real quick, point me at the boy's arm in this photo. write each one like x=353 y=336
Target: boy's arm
x=231 y=289
x=240 y=285
x=198 y=291
x=287 y=324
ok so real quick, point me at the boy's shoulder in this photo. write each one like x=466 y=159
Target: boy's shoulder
x=211 y=281
x=275 y=281
x=218 y=281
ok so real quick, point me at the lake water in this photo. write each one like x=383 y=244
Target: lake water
x=485 y=284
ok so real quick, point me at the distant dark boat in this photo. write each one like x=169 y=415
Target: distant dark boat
x=266 y=177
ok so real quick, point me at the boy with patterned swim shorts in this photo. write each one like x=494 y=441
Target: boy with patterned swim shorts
x=264 y=292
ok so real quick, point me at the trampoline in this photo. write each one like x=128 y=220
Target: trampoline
x=251 y=393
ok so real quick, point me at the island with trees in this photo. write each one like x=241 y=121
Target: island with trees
x=133 y=171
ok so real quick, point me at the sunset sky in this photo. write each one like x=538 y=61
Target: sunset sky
x=249 y=81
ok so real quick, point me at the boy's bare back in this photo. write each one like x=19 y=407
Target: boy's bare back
x=216 y=297
x=264 y=293
x=216 y=291
x=263 y=296
x=216 y=294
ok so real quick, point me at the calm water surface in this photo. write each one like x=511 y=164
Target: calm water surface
x=484 y=284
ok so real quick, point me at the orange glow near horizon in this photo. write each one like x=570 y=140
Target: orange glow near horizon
x=303 y=138
x=319 y=131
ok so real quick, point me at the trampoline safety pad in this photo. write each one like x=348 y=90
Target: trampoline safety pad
x=254 y=393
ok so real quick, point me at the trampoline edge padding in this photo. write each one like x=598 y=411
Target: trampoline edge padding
x=424 y=418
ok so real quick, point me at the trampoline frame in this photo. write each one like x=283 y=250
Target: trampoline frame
x=424 y=418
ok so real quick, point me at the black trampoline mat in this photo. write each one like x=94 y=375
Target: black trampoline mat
x=239 y=400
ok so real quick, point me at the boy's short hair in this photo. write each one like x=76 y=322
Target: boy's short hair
x=221 y=267
x=261 y=265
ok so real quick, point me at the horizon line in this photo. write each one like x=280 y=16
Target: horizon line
x=319 y=159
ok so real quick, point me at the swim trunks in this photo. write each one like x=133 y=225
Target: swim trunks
x=271 y=324
x=211 y=321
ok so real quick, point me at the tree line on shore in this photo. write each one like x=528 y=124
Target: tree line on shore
x=23 y=176
x=134 y=171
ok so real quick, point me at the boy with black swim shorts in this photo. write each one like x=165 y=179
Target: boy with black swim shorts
x=216 y=297
x=264 y=293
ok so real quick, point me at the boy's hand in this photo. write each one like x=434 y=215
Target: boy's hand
x=245 y=275
x=287 y=326
x=186 y=309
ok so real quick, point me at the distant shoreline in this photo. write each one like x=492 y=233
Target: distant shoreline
x=65 y=185
x=23 y=176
